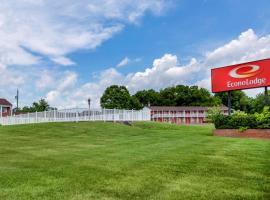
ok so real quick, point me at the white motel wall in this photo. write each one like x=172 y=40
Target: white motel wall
x=76 y=115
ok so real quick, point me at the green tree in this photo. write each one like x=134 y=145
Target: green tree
x=202 y=97
x=181 y=95
x=135 y=104
x=146 y=97
x=257 y=104
x=168 y=96
x=118 y=97
x=40 y=106
x=240 y=101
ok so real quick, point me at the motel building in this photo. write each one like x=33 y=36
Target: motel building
x=5 y=108
x=182 y=114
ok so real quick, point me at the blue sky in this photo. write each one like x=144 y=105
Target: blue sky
x=186 y=29
x=67 y=51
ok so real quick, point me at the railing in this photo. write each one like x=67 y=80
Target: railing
x=178 y=115
x=76 y=115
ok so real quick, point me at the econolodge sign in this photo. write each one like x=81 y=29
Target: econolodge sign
x=241 y=76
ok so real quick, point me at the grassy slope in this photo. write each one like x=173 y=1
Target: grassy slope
x=146 y=161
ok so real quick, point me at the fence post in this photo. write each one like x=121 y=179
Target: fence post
x=36 y=116
x=114 y=115
x=77 y=115
x=1 y=115
x=54 y=115
x=45 y=117
x=1 y=110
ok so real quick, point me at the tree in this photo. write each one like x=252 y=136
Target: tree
x=239 y=100
x=257 y=103
x=168 y=96
x=40 y=106
x=181 y=95
x=202 y=97
x=135 y=104
x=118 y=97
x=146 y=97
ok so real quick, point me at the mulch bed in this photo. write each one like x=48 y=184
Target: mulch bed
x=250 y=133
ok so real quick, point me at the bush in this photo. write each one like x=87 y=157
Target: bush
x=242 y=121
x=212 y=114
x=263 y=119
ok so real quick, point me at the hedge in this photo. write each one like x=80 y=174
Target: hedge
x=241 y=120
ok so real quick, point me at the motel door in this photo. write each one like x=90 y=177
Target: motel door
x=188 y=120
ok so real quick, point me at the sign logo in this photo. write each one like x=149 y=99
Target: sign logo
x=245 y=71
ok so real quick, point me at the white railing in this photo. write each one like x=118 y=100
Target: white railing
x=178 y=115
x=76 y=115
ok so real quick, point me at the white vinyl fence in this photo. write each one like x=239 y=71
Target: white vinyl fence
x=76 y=115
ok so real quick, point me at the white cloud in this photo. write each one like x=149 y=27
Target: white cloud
x=127 y=10
x=63 y=61
x=63 y=88
x=247 y=47
x=67 y=82
x=77 y=96
x=34 y=31
x=53 y=29
x=167 y=70
x=45 y=80
x=124 y=62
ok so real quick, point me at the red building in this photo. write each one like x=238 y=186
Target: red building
x=181 y=114
x=5 y=108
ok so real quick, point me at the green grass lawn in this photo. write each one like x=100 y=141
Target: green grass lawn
x=146 y=161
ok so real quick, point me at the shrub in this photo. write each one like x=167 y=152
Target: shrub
x=263 y=119
x=212 y=114
x=242 y=121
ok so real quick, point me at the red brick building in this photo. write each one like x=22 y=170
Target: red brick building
x=5 y=108
x=181 y=114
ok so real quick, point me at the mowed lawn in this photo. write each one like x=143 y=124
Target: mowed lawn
x=144 y=161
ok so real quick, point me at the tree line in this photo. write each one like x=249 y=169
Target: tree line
x=119 y=97
x=40 y=106
x=181 y=95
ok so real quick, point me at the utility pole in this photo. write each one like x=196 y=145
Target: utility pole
x=17 y=100
x=89 y=104
x=230 y=102
x=266 y=103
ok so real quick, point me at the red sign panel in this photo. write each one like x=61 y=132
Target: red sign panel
x=242 y=76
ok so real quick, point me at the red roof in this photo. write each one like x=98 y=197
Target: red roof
x=5 y=102
x=182 y=108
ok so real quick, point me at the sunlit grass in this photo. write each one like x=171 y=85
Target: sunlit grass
x=143 y=161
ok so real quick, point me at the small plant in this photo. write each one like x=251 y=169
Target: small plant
x=243 y=129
